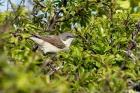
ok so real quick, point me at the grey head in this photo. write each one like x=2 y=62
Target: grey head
x=67 y=38
x=66 y=35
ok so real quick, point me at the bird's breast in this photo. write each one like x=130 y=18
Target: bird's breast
x=47 y=47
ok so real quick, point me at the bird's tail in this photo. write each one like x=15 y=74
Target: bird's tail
x=36 y=39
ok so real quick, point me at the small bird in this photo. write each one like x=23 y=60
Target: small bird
x=53 y=43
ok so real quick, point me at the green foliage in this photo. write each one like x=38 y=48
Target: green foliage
x=95 y=59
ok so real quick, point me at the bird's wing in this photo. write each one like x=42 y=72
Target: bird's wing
x=52 y=39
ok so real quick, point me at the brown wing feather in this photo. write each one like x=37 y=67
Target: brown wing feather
x=52 y=39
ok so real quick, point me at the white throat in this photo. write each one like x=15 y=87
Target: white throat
x=68 y=41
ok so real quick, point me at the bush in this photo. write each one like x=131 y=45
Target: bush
x=104 y=59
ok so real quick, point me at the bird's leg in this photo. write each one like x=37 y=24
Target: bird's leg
x=44 y=54
x=35 y=47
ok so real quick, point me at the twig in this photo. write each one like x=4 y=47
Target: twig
x=11 y=5
x=56 y=16
x=38 y=3
x=55 y=69
x=7 y=5
x=131 y=45
x=64 y=20
x=45 y=63
x=135 y=85
x=53 y=20
x=37 y=28
x=64 y=3
x=9 y=1
x=134 y=35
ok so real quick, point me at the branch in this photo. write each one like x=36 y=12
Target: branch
x=132 y=44
x=70 y=16
x=45 y=63
x=38 y=3
x=37 y=28
x=135 y=85
x=56 y=16
x=5 y=26
x=133 y=40
x=55 y=69
x=11 y=5
x=64 y=3
x=64 y=20
x=134 y=35
x=53 y=20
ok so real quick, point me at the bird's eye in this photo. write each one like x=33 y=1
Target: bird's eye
x=68 y=36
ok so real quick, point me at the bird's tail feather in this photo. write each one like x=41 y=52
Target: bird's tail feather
x=36 y=39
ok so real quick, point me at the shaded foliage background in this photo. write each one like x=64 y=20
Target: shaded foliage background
x=104 y=59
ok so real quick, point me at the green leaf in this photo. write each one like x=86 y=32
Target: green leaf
x=109 y=58
x=124 y=4
x=130 y=74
